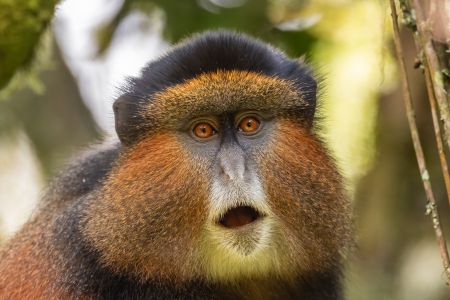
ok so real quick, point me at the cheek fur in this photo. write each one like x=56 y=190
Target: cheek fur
x=306 y=195
x=149 y=218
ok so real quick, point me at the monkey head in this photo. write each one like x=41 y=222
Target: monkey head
x=220 y=176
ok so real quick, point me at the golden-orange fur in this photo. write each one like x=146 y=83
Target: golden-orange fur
x=219 y=92
x=154 y=183
x=307 y=197
x=27 y=271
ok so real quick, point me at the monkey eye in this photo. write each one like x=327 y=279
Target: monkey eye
x=249 y=125
x=204 y=130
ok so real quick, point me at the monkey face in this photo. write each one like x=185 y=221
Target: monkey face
x=228 y=183
x=240 y=223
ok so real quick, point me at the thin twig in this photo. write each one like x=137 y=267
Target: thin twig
x=437 y=132
x=431 y=59
x=431 y=202
x=432 y=98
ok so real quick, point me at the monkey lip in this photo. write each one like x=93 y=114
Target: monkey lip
x=239 y=216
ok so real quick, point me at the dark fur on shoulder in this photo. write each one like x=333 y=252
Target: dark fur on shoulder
x=84 y=174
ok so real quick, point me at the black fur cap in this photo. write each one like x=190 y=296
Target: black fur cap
x=203 y=53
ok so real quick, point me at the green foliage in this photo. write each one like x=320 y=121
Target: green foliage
x=182 y=18
x=21 y=26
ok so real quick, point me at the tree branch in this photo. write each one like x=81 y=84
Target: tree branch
x=425 y=43
x=437 y=132
x=431 y=201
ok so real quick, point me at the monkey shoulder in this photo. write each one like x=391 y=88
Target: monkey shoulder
x=34 y=253
x=83 y=174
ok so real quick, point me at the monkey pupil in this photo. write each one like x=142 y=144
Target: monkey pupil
x=203 y=130
x=249 y=125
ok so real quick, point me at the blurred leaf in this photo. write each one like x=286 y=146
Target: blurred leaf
x=299 y=23
x=55 y=121
x=21 y=26
x=186 y=17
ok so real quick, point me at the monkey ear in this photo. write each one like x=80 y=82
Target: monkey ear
x=127 y=119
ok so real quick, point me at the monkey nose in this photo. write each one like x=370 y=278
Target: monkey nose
x=232 y=166
x=233 y=172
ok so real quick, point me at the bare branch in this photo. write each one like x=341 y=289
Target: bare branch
x=431 y=201
x=437 y=132
x=425 y=42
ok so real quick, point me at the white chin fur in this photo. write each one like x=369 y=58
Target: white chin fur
x=229 y=194
x=252 y=250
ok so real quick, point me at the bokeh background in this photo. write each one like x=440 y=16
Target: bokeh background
x=62 y=102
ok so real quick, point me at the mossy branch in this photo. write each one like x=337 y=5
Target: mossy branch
x=21 y=26
x=431 y=200
x=424 y=41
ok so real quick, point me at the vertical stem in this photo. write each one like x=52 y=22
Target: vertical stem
x=437 y=133
x=431 y=59
x=431 y=201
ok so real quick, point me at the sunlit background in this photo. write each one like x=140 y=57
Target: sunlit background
x=93 y=45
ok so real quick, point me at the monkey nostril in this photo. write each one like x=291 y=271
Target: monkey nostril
x=239 y=216
x=224 y=174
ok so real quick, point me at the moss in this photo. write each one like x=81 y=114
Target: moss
x=22 y=23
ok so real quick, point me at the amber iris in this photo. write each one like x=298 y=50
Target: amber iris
x=249 y=125
x=203 y=130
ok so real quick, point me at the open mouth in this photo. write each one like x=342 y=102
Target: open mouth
x=239 y=216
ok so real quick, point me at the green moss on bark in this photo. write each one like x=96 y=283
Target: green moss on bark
x=22 y=23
